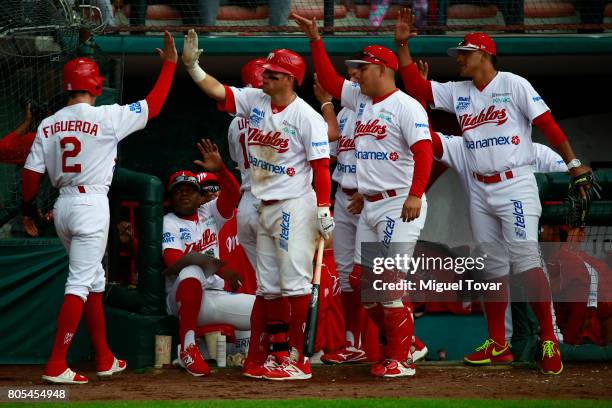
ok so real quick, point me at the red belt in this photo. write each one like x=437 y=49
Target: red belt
x=380 y=196
x=269 y=202
x=81 y=189
x=494 y=178
x=349 y=191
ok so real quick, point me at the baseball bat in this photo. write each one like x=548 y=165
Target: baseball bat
x=310 y=335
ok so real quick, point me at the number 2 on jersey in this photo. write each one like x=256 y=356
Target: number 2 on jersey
x=73 y=151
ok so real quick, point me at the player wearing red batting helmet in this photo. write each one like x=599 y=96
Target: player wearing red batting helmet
x=286 y=148
x=252 y=72
x=77 y=146
x=504 y=201
x=82 y=74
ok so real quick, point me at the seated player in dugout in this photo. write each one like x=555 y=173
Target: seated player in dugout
x=194 y=285
x=581 y=286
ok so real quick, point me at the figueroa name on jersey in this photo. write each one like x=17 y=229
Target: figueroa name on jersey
x=371 y=128
x=491 y=115
x=71 y=126
x=271 y=139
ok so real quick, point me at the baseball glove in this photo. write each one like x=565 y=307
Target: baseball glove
x=578 y=204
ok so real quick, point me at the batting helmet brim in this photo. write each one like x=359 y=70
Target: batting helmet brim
x=277 y=68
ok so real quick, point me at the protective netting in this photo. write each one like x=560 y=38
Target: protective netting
x=354 y=16
x=36 y=38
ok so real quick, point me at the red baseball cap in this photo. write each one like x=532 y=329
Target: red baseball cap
x=205 y=177
x=474 y=42
x=183 y=176
x=375 y=54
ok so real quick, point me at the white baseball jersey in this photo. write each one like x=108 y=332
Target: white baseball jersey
x=280 y=145
x=383 y=134
x=455 y=156
x=195 y=236
x=236 y=137
x=547 y=160
x=496 y=122
x=78 y=144
x=345 y=173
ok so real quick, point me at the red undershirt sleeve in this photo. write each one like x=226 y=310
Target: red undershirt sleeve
x=30 y=184
x=156 y=98
x=171 y=256
x=415 y=85
x=229 y=105
x=229 y=195
x=436 y=144
x=326 y=74
x=322 y=181
x=423 y=160
x=547 y=125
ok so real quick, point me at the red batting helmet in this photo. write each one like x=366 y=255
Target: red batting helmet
x=82 y=74
x=287 y=62
x=475 y=42
x=252 y=71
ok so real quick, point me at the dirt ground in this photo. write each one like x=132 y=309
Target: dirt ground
x=578 y=381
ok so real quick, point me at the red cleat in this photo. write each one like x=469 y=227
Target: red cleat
x=392 y=368
x=67 y=377
x=490 y=352
x=551 y=358
x=347 y=354
x=290 y=370
x=192 y=361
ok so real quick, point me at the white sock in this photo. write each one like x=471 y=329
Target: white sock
x=189 y=339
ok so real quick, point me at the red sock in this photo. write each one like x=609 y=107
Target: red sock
x=353 y=315
x=297 y=322
x=96 y=324
x=67 y=323
x=399 y=329
x=277 y=325
x=258 y=343
x=188 y=300
x=494 y=305
x=377 y=315
x=538 y=289
x=496 y=320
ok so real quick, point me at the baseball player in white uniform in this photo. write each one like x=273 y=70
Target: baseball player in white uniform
x=195 y=293
x=77 y=146
x=347 y=207
x=394 y=158
x=287 y=151
x=495 y=111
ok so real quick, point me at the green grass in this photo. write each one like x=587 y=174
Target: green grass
x=340 y=403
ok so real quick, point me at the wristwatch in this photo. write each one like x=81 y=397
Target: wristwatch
x=573 y=164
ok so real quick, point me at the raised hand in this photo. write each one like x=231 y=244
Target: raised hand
x=309 y=27
x=423 y=68
x=169 y=52
x=211 y=159
x=404 y=27
x=321 y=94
x=191 y=52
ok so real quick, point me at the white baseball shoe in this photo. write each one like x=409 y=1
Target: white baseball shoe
x=67 y=377
x=117 y=367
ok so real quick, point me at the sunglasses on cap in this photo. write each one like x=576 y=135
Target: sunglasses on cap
x=210 y=188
